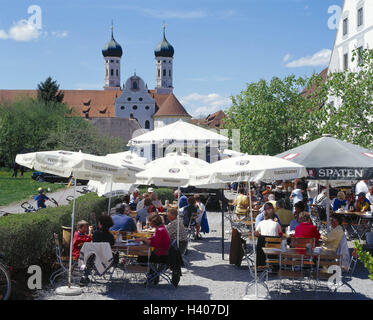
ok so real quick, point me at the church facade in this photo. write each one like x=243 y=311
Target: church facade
x=151 y=108
x=131 y=104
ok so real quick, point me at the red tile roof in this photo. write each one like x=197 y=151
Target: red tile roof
x=214 y=120
x=101 y=103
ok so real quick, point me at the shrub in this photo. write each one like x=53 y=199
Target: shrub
x=163 y=193
x=27 y=239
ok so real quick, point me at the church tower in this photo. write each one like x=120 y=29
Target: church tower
x=164 y=55
x=112 y=53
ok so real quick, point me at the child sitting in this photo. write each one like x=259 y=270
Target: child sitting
x=80 y=237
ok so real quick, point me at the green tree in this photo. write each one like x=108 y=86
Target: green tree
x=274 y=116
x=352 y=119
x=49 y=91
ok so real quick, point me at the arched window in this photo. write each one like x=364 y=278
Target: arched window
x=117 y=73
x=112 y=72
x=164 y=72
x=147 y=124
x=169 y=72
x=159 y=72
x=134 y=107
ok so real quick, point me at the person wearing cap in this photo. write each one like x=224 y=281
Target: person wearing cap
x=362 y=204
x=362 y=186
x=122 y=222
x=40 y=199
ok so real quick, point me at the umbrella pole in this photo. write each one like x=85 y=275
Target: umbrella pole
x=111 y=190
x=328 y=205
x=222 y=224
x=72 y=236
x=178 y=216
x=253 y=240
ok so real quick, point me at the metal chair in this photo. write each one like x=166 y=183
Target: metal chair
x=62 y=261
x=324 y=262
x=291 y=268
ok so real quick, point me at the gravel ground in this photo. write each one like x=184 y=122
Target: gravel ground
x=60 y=197
x=208 y=277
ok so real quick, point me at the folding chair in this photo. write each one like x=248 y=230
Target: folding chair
x=271 y=261
x=163 y=270
x=62 y=261
x=291 y=268
x=301 y=243
x=324 y=261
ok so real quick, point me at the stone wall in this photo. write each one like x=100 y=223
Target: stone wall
x=116 y=127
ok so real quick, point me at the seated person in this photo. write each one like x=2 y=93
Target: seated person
x=306 y=229
x=142 y=214
x=122 y=222
x=80 y=237
x=190 y=212
x=285 y=216
x=140 y=203
x=156 y=202
x=268 y=206
x=298 y=208
x=242 y=202
x=340 y=201
x=268 y=227
x=172 y=229
x=100 y=235
x=161 y=243
x=331 y=241
x=134 y=199
x=362 y=204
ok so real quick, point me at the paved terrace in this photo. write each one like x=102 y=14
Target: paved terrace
x=209 y=278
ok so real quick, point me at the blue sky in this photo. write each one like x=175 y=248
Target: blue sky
x=219 y=45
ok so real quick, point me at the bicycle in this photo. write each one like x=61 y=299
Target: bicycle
x=5 y=282
x=30 y=208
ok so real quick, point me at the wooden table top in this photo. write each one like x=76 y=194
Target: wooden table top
x=360 y=214
x=298 y=252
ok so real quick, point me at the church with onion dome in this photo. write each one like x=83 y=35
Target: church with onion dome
x=121 y=108
x=151 y=108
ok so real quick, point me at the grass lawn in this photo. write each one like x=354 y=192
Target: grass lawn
x=20 y=188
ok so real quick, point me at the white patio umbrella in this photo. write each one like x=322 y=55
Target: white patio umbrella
x=171 y=171
x=129 y=160
x=109 y=190
x=80 y=166
x=128 y=156
x=177 y=133
x=248 y=169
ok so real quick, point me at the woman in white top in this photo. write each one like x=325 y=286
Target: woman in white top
x=268 y=227
x=156 y=203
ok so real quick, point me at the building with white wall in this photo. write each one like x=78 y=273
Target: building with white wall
x=355 y=32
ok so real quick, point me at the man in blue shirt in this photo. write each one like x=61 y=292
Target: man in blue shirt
x=183 y=202
x=121 y=221
x=41 y=198
x=270 y=209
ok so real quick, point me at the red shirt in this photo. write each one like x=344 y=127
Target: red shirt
x=307 y=230
x=78 y=241
x=160 y=241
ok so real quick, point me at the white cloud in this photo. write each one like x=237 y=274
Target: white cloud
x=320 y=58
x=287 y=57
x=24 y=31
x=204 y=105
x=60 y=34
x=21 y=31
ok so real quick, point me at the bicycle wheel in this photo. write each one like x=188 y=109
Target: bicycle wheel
x=5 y=285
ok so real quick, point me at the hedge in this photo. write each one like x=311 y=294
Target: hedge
x=163 y=193
x=27 y=239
